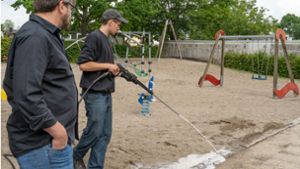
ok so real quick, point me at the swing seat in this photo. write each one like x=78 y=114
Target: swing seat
x=211 y=79
x=259 y=77
x=288 y=87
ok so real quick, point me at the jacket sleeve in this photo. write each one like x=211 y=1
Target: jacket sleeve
x=30 y=63
x=87 y=52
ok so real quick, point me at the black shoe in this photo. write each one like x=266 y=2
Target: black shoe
x=79 y=164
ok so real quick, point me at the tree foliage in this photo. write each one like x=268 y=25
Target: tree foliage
x=196 y=19
x=291 y=24
x=7 y=26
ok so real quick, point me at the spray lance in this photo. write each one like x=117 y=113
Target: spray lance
x=130 y=77
x=124 y=73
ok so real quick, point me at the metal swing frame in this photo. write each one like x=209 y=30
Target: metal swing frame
x=142 y=35
x=278 y=36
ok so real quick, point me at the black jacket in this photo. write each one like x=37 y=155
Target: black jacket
x=40 y=86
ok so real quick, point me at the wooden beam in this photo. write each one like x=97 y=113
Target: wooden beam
x=162 y=40
x=175 y=37
x=222 y=63
x=208 y=62
x=275 y=71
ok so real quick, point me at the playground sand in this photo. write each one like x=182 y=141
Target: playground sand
x=230 y=116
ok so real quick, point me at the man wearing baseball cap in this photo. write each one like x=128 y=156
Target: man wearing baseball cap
x=96 y=58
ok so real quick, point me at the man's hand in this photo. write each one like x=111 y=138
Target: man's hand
x=59 y=134
x=114 y=69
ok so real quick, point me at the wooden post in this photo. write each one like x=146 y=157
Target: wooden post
x=217 y=38
x=175 y=37
x=288 y=65
x=222 y=62
x=275 y=71
x=208 y=62
x=162 y=41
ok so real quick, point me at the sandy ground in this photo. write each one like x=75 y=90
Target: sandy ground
x=279 y=152
x=229 y=116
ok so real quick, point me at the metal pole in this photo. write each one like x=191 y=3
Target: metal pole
x=252 y=37
x=149 y=50
x=143 y=53
x=127 y=53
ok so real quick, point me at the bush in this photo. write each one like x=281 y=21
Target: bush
x=5 y=45
x=260 y=63
x=74 y=51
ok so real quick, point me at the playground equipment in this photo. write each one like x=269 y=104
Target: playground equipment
x=76 y=42
x=210 y=77
x=280 y=35
x=140 y=41
x=291 y=86
x=163 y=37
x=145 y=99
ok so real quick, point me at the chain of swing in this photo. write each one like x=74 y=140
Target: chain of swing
x=260 y=61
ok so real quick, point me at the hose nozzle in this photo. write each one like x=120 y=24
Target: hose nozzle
x=130 y=77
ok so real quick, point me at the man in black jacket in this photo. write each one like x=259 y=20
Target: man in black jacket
x=96 y=58
x=41 y=90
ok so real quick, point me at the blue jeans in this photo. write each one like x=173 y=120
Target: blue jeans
x=47 y=158
x=97 y=134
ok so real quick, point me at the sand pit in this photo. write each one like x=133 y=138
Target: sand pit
x=229 y=116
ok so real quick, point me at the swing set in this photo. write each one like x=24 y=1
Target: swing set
x=279 y=36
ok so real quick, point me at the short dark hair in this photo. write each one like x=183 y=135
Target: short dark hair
x=47 y=5
x=44 y=5
x=104 y=21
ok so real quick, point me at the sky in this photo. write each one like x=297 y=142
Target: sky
x=276 y=8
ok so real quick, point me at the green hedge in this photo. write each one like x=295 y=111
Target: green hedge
x=262 y=63
x=5 y=45
x=74 y=50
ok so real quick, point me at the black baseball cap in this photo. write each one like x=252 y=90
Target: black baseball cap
x=113 y=14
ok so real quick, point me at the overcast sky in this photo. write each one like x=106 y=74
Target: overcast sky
x=277 y=8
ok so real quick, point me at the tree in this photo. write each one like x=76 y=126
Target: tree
x=197 y=19
x=291 y=24
x=142 y=14
x=2 y=27
x=85 y=18
x=236 y=17
x=7 y=26
x=297 y=31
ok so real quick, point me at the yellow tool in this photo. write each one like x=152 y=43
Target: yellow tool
x=3 y=95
